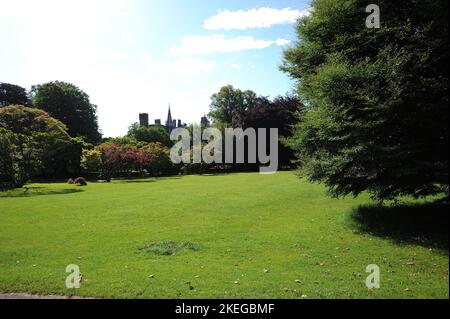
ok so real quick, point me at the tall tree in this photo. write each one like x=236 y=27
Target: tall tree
x=378 y=114
x=70 y=105
x=277 y=113
x=228 y=101
x=12 y=94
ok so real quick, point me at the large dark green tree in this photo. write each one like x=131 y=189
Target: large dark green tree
x=70 y=105
x=12 y=94
x=377 y=114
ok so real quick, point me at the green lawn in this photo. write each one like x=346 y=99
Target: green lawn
x=241 y=235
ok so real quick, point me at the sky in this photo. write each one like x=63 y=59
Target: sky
x=137 y=56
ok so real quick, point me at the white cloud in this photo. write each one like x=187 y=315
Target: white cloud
x=253 y=18
x=220 y=44
x=282 y=42
x=180 y=66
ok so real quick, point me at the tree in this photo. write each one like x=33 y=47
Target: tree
x=70 y=105
x=59 y=154
x=149 y=134
x=91 y=160
x=20 y=159
x=377 y=99
x=279 y=113
x=156 y=159
x=228 y=101
x=12 y=94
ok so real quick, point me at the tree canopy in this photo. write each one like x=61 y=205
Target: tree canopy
x=12 y=94
x=377 y=99
x=228 y=101
x=33 y=143
x=149 y=134
x=70 y=105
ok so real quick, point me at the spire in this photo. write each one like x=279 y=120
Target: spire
x=169 y=117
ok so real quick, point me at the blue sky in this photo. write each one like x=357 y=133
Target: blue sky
x=138 y=55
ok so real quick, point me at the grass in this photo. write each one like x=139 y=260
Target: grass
x=168 y=247
x=228 y=236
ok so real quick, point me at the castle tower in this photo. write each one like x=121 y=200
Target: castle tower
x=143 y=119
x=204 y=122
x=170 y=124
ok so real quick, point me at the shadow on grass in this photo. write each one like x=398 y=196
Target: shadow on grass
x=424 y=224
x=38 y=191
x=132 y=180
x=143 y=179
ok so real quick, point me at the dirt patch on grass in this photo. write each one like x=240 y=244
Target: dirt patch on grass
x=168 y=248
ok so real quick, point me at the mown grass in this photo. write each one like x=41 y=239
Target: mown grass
x=255 y=236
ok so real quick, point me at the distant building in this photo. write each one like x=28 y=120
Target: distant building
x=204 y=122
x=143 y=119
x=169 y=125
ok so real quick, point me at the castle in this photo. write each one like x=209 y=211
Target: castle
x=170 y=123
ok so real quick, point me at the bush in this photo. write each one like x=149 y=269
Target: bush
x=80 y=181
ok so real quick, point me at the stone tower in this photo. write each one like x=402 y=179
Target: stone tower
x=204 y=122
x=143 y=119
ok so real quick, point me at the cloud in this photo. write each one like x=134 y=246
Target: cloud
x=221 y=44
x=282 y=42
x=180 y=66
x=253 y=18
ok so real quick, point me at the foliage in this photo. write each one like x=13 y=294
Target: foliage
x=149 y=134
x=31 y=135
x=228 y=101
x=70 y=105
x=60 y=154
x=91 y=159
x=279 y=113
x=124 y=140
x=377 y=116
x=12 y=94
x=20 y=158
x=112 y=159
x=156 y=159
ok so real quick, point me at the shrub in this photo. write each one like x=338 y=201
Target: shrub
x=80 y=181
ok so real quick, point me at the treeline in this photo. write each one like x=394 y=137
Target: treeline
x=52 y=132
x=234 y=108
